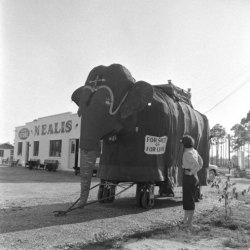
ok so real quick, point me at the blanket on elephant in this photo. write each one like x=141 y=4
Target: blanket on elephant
x=141 y=126
x=153 y=150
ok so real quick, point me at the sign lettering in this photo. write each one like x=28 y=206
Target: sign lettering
x=53 y=128
x=155 y=145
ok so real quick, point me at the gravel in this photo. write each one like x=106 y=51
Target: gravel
x=28 y=201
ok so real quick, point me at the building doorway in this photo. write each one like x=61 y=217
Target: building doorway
x=73 y=153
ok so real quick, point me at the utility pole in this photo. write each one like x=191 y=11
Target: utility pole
x=221 y=151
x=229 y=160
x=248 y=152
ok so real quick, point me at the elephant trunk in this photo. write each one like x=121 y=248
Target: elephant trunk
x=87 y=161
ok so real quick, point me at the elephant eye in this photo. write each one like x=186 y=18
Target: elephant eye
x=108 y=102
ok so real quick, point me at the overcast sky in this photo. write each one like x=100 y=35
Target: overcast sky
x=48 y=48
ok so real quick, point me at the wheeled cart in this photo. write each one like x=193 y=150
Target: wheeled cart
x=144 y=193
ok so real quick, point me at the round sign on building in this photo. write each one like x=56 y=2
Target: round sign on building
x=23 y=133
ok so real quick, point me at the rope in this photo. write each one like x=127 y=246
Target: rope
x=96 y=88
x=71 y=208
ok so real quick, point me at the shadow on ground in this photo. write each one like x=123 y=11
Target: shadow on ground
x=32 y=207
x=43 y=216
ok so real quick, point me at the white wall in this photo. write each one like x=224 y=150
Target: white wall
x=6 y=154
x=63 y=127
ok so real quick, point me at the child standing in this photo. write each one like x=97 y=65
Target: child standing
x=191 y=164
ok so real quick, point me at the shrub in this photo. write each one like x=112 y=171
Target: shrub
x=227 y=192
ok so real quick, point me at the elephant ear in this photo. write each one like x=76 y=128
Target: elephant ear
x=81 y=96
x=138 y=97
x=77 y=95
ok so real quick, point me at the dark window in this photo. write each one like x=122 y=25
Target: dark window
x=1 y=153
x=55 y=148
x=20 y=148
x=72 y=147
x=36 y=148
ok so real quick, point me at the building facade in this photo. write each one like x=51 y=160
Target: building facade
x=6 y=152
x=53 y=137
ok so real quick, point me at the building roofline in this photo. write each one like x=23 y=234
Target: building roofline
x=6 y=145
x=44 y=117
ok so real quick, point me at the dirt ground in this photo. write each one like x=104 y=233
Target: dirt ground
x=29 y=197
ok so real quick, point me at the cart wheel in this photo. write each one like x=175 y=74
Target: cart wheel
x=108 y=191
x=112 y=193
x=139 y=193
x=147 y=197
x=104 y=193
x=100 y=193
x=147 y=202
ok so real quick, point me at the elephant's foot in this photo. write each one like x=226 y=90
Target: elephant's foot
x=81 y=204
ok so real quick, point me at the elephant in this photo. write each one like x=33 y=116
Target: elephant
x=140 y=126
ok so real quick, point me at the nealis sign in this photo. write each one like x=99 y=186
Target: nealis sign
x=24 y=133
x=53 y=128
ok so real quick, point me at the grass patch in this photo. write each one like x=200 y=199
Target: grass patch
x=239 y=240
x=235 y=229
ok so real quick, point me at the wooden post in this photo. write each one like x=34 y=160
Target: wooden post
x=229 y=160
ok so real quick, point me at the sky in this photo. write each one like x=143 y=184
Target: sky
x=48 y=47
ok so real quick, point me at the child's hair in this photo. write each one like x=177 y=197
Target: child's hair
x=188 y=141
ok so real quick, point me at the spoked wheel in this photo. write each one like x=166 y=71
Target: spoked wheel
x=100 y=193
x=111 y=193
x=145 y=195
x=106 y=192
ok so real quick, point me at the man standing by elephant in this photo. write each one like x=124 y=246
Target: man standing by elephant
x=191 y=163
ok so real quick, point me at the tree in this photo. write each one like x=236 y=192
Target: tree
x=245 y=122
x=238 y=136
x=241 y=131
x=218 y=134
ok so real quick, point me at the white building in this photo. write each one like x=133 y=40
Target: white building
x=52 y=137
x=6 y=152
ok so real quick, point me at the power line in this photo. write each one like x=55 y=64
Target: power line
x=221 y=88
x=227 y=96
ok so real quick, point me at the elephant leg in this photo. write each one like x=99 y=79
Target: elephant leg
x=87 y=161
